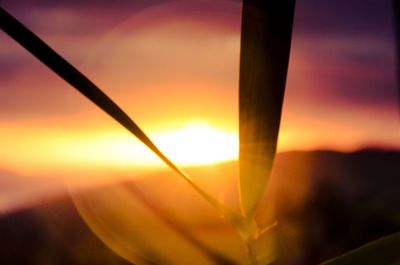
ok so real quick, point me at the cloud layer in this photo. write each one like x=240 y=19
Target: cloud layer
x=341 y=77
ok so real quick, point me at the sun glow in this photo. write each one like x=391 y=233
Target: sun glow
x=73 y=152
x=197 y=143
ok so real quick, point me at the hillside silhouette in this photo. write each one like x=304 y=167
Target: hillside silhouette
x=326 y=203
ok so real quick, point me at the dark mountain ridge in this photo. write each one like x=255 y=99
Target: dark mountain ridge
x=334 y=201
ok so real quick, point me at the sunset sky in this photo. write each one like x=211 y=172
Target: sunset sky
x=173 y=67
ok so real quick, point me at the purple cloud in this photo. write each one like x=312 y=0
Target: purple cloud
x=348 y=45
x=349 y=48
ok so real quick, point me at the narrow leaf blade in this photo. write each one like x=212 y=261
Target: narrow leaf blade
x=265 y=47
x=70 y=74
x=385 y=251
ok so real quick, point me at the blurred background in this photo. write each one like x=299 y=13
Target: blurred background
x=173 y=66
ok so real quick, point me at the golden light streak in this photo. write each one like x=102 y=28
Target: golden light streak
x=47 y=151
x=197 y=144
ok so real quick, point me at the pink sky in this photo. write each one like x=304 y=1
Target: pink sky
x=169 y=63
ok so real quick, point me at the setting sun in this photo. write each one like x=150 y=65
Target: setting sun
x=113 y=149
x=199 y=132
x=197 y=143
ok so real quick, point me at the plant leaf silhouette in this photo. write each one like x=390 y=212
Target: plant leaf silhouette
x=264 y=57
x=384 y=251
x=177 y=227
x=70 y=74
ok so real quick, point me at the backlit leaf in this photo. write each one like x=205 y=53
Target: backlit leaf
x=71 y=75
x=265 y=46
x=75 y=78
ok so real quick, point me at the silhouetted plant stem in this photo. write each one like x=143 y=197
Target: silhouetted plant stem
x=264 y=57
x=265 y=46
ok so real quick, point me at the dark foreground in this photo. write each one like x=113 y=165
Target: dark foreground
x=328 y=203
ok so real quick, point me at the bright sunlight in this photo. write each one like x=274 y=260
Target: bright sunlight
x=197 y=143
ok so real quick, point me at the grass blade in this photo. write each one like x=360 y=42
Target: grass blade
x=71 y=75
x=384 y=251
x=264 y=56
x=75 y=78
